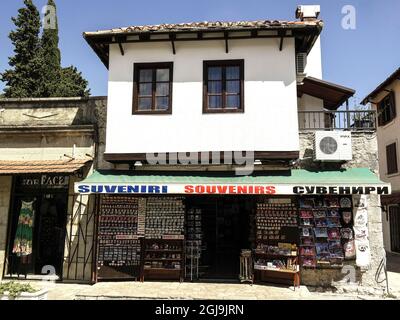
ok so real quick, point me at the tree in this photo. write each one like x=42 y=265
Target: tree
x=24 y=77
x=50 y=52
x=72 y=84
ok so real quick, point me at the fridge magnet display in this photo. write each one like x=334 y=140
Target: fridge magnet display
x=349 y=249
x=308 y=262
x=306 y=203
x=346 y=233
x=306 y=222
x=345 y=203
x=307 y=241
x=322 y=249
x=333 y=213
x=333 y=233
x=347 y=216
x=319 y=214
x=306 y=214
x=321 y=232
x=321 y=222
x=331 y=202
x=307 y=251
x=305 y=232
x=333 y=222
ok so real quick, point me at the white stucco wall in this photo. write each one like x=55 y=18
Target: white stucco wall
x=314 y=61
x=270 y=100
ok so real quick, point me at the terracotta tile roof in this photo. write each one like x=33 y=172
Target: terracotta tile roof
x=209 y=26
x=42 y=166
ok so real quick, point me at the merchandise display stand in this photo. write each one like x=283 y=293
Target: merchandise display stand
x=163 y=259
x=276 y=254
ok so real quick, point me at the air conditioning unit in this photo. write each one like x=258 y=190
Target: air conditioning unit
x=332 y=146
x=301 y=63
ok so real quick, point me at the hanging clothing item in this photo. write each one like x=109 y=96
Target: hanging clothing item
x=23 y=236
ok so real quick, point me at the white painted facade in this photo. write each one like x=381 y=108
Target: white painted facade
x=270 y=118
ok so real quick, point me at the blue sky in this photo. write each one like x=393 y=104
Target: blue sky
x=359 y=58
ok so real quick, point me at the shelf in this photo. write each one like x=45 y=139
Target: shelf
x=161 y=259
x=168 y=250
x=275 y=255
x=161 y=269
x=278 y=270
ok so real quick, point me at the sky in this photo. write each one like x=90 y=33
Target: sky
x=359 y=58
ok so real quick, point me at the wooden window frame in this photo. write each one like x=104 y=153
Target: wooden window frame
x=223 y=63
x=381 y=109
x=395 y=159
x=151 y=65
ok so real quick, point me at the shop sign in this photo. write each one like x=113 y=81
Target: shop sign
x=230 y=189
x=45 y=181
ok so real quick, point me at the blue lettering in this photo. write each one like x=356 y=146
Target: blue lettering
x=110 y=189
x=83 y=189
x=97 y=189
x=133 y=189
x=121 y=189
x=164 y=189
x=143 y=189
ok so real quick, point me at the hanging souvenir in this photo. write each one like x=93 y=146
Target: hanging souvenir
x=345 y=203
x=346 y=215
x=349 y=248
x=24 y=234
x=346 y=233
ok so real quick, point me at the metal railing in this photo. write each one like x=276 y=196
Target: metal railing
x=364 y=120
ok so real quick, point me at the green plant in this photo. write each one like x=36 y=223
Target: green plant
x=15 y=289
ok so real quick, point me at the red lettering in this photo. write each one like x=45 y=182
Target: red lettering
x=189 y=189
x=232 y=189
x=259 y=190
x=241 y=189
x=211 y=189
x=270 y=190
x=222 y=189
x=200 y=189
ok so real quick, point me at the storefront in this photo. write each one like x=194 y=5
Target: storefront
x=38 y=217
x=194 y=226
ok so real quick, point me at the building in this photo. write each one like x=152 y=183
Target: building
x=220 y=138
x=45 y=146
x=385 y=100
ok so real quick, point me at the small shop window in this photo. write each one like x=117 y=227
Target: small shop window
x=391 y=158
x=386 y=109
x=152 y=89
x=223 y=86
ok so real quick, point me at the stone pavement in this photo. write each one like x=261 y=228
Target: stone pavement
x=187 y=290
x=393 y=268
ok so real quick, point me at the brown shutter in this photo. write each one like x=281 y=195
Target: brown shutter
x=391 y=158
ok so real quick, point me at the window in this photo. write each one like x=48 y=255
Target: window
x=391 y=158
x=223 y=86
x=386 y=109
x=152 y=89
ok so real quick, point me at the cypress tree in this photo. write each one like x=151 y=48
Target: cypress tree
x=72 y=83
x=24 y=77
x=50 y=52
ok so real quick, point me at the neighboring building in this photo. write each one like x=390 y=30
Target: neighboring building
x=386 y=100
x=45 y=146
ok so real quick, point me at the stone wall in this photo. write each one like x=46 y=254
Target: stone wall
x=5 y=190
x=365 y=154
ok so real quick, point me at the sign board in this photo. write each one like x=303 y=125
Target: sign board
x=233 y=189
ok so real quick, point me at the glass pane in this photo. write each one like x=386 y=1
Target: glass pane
x=214 y=73
x=145 y=75
x=162 y=103
x=162 y=89
x=232 y=72
x=233 y=102
x=145 y=89
x=144 y=104
x=214 y=102
x=233 y=86
x=162 y=74
x=215 y=87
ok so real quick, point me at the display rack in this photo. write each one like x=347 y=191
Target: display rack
x=276 y=251
x=163 y=259
x=119 y=246
x=194 y=236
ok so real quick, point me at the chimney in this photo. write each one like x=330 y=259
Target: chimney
x=308 y=13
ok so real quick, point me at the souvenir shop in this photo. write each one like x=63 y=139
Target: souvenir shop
x=37 y=224
x=172 y=230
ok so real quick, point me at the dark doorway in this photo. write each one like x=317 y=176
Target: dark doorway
x=225 y=230
x=394 y=216
x=47 y=210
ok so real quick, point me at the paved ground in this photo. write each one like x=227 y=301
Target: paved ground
x=210 y=291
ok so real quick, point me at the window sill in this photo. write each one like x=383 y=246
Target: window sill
x=386 y=125
x=392 y=175
x=152 y=113
x=223 y=111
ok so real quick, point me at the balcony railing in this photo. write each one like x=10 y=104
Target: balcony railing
x=364 y=120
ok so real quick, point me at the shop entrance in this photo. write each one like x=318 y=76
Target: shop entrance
x=225 y=224
x=37 y=228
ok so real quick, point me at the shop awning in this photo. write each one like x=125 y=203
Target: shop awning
x=8 y=167
x=349 y=181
